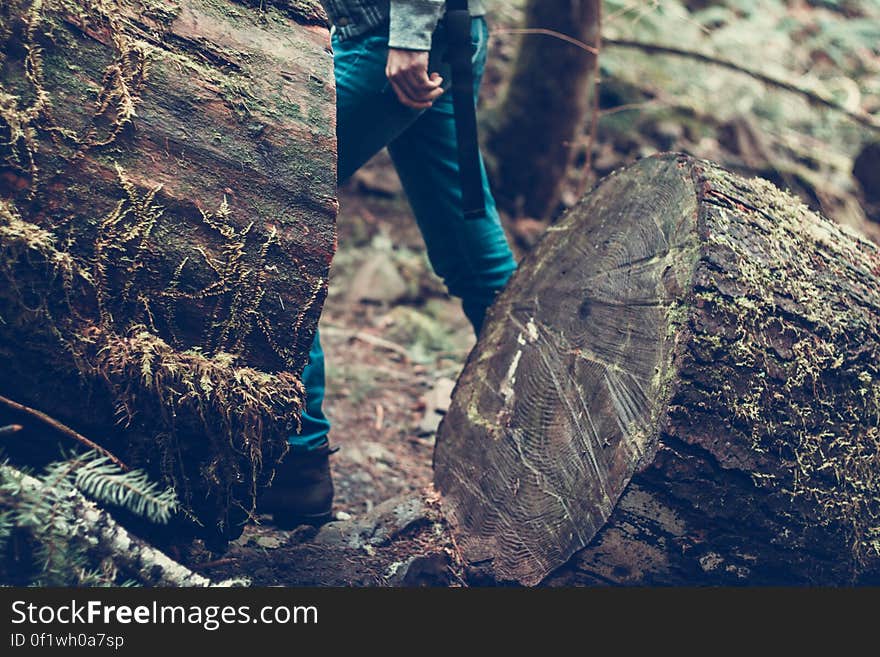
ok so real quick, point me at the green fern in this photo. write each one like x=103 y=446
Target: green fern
x=102 y=480
x=46 y=520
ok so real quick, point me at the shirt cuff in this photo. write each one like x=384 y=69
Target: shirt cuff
x=413 y=23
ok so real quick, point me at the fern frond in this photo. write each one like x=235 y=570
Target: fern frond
x=102 y=480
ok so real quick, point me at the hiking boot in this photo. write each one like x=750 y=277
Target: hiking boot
x=302 y=489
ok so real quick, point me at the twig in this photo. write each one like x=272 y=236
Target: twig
x=369 y=339
x=226 y=561
x=861 y=118
x=62 y=429
x=629 y=107
x=550 y=33
x=380 y=417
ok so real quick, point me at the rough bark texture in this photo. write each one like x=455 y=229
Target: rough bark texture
x=530 y=135
x=680 y=385
x=167 y=207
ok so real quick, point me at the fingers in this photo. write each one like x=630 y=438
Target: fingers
x=415 y=89
x=404 y=97
x=408 y=93
x=408 y=73
x=423 y=86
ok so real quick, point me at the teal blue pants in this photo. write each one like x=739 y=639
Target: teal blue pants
x=471 y=256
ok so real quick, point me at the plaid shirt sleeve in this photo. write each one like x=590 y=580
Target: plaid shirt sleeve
x=412 y=22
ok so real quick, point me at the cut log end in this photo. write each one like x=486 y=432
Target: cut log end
x=570 y=376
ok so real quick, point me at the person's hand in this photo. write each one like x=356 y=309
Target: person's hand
x=407 y=70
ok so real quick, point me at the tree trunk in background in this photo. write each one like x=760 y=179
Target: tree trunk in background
x=680 y=385
x=167 y=209
x=530 y=136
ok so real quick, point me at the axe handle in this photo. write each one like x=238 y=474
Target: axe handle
x=460 y=54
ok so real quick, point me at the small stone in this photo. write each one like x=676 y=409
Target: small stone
x=377 y=452
x=342 y=516
x=268 y=542
x=378 y=181
x=527 y=231
x=420 y=571
x=378 y=281
x=435 y=403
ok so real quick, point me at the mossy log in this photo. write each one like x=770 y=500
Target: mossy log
x=167 y=220
x=679 y=386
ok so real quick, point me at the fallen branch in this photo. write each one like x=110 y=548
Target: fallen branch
x=368 y=339
x=62 y=429
x=861 y=118
x=540 y=31
x=105 y=538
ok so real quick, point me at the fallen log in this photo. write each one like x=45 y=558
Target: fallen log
x=167 y=208
x=679 y=386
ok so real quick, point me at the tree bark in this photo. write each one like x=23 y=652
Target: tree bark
x=680 y=385
x=530 y=136
x=167 y=209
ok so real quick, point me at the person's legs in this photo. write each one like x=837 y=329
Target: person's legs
x=471 y=255
x=314 y=425
x=368 y=116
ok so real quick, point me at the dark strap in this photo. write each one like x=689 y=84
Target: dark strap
x=460 y=54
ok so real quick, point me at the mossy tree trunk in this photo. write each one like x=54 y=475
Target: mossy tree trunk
x=680 y=385
x=531 y=134
x=167 y=208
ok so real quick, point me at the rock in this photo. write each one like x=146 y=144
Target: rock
x=428 y=570
x=436 y=403
x=866 y=170
x=378 y=281
x=742 y=137
x=668 y=134
x=268 y=542
x=378 y=179
x=368 y=453
x=377 y=452
x=377 y=528
x=419 y=332
x=527 y=232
